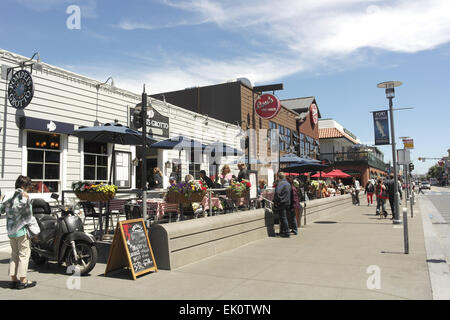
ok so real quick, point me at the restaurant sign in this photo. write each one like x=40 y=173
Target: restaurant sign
x=157 y=124
x=20 y=89
x=314 y=114
x=267 y=106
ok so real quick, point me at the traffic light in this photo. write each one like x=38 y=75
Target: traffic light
x=137 y=118
x=411 y=167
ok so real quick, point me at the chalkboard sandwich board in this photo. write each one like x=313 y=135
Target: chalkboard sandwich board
x=131 y=248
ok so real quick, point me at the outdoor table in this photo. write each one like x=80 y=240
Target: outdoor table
x=159 y=206
x=215 y=202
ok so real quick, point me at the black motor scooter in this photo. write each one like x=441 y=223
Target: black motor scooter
x=62 y=238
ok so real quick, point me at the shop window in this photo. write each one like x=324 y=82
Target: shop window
x=281 y=133
x=271 y=134
x=44 y=161
x=194 y=165
x=95 y=161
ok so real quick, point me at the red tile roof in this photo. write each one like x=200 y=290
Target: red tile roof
x=329 y=133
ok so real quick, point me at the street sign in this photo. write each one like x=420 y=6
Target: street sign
x=403 y=157
x=408 y=143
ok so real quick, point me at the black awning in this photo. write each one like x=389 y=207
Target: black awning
x=46 y=125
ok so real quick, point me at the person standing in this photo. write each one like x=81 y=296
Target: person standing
x=157 y=178
x=294 y=212
x=390 y=186
x=17 y=207
x=243 y=172
x=381 y=194
x=369 y=189
x=357 y=187
x=282 y=203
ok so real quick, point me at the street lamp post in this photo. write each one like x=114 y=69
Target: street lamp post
x=390 y=94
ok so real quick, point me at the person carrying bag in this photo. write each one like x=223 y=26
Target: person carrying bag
x=21 y=225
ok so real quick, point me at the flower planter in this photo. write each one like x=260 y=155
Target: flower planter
x=235 y=196
x=95 y=196
x=175 y=197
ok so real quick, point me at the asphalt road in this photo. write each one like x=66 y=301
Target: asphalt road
x=440 y=197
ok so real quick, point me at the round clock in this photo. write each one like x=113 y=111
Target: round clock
x=20 y=89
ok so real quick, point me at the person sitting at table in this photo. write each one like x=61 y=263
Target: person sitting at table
x=188 y=178
x=206 y=179
x=225 y=176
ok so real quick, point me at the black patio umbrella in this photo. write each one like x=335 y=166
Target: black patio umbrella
x=291 y=158
x=114 y=133
x=305 y=166
x=179 y=143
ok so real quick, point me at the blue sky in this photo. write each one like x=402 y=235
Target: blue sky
x=335 y=50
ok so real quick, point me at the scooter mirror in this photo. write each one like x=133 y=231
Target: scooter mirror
x=54 y=196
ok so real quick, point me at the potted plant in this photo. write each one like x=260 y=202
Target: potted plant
x=94 y=192
x=186 y=192
x=238 y=189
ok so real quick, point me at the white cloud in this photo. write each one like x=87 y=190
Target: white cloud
x=310 y=33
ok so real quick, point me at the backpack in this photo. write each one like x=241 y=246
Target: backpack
x=370 y=188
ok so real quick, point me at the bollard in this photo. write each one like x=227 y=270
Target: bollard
x=304 y=214
x=411 y=202
x=405 y=229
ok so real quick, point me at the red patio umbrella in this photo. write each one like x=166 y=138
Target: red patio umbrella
x=336 y=173
x=317 y=175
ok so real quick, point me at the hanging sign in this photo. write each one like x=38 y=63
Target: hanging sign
x=314 y=114
x=20 y=89
x=131 y=248
x=408 y=143
x=157 y=124
x=267 y=106
x=381 y=126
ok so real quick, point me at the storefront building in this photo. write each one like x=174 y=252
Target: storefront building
x=234 y=102
x=341 y=149
x=37 y=141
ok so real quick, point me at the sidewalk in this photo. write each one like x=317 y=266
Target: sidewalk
x=332 y=259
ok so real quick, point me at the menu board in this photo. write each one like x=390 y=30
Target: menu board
x=131 y=248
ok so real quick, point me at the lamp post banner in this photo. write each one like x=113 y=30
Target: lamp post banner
x=381 y=126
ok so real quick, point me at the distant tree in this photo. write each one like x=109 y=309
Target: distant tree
x=435 y=171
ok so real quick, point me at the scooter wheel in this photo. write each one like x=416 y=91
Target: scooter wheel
x=87 y=257
x=37 y=258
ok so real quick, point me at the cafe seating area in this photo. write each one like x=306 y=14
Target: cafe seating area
x=128 y=206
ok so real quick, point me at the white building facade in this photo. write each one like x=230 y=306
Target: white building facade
x=38 y=142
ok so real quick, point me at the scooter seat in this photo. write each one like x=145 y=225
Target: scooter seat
x=46 y=222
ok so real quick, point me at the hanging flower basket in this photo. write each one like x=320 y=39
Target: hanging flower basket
x=95 y=196
x=94 y=192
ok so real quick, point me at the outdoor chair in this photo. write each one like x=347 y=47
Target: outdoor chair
x=90 y=212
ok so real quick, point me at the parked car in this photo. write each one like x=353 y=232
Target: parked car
x=426 y=185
